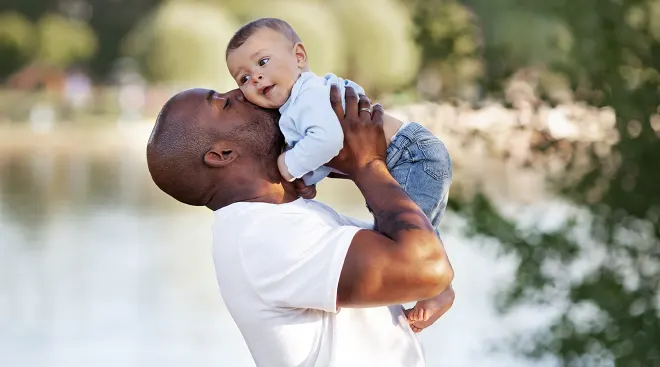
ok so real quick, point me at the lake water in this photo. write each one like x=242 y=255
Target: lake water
x=99 y=268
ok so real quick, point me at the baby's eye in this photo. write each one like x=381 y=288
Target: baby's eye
x=244 y=79
x=264 y=61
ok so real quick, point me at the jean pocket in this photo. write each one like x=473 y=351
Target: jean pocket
x=437 y=162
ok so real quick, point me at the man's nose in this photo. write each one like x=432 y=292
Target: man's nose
x=236 y=94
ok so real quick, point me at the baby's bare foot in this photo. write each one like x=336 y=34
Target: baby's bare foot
x=428 y=311
x=424 y=309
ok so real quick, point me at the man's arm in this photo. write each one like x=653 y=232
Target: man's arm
x=406 y=261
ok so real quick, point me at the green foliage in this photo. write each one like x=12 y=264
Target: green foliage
x=17 y=41
x=319 y=29
x=610 y=53
x=164 y=41
x=173 y=49
x=54 y=41
x=449 y=38
x=382 y=54
x=63 y=41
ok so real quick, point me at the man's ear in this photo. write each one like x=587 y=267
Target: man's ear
x=301 y=55
x=220 y=155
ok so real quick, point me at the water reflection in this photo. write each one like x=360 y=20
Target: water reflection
x=100 y=268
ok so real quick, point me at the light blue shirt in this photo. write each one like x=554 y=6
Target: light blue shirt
x=310 y=126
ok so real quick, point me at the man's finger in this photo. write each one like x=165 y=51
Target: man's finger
x=335 y=101
x=351 y=102
x=307 y=192
x=298 y=184
x=377 y=113
x=365 y=108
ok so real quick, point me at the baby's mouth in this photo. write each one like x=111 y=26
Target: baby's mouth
x=267 y=90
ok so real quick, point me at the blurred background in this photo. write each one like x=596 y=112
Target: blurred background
x=550 y=109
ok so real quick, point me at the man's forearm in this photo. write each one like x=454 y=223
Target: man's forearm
x=396 y=215
x=399 y=218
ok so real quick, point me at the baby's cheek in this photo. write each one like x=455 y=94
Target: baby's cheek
x=255 y=98
x=247 y=93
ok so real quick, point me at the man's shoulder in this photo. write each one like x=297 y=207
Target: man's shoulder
x=256 y=210
x=263 y=218
x=257 y=227
x=286 y=231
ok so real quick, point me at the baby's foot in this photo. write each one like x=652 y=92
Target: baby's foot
x=428 y=311
x=420 y=315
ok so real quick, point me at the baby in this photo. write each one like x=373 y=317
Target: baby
x=269 y=62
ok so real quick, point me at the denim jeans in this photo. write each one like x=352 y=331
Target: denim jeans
x=420 y=163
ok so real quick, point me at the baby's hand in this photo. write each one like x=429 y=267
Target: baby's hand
x=284 y=170
x=306 y=192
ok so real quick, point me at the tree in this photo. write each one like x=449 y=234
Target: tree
x=165 y=40
x=17 y=42
x=613 y=60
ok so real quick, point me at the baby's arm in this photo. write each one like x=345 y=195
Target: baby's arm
x=322 y=137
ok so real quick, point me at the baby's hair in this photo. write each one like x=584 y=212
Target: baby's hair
x=246 y=31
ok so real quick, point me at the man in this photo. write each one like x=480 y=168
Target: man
x=305 y=285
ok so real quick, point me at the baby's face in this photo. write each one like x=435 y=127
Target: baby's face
x=265 y=68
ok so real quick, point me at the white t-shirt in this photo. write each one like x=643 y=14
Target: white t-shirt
x=278 y=268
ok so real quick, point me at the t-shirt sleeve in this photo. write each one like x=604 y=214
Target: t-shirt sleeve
x=296 y=260
x=357 y=222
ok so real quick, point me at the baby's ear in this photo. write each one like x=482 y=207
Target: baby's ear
x=301 y=55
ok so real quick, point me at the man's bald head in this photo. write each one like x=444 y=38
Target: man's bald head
x=198 y=137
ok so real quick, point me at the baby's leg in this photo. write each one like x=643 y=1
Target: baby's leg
x=421 y=164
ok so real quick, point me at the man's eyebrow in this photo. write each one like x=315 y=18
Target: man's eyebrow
x=209 y=96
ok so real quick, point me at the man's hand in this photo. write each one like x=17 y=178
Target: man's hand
x=364 y=139
x=304 y=191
